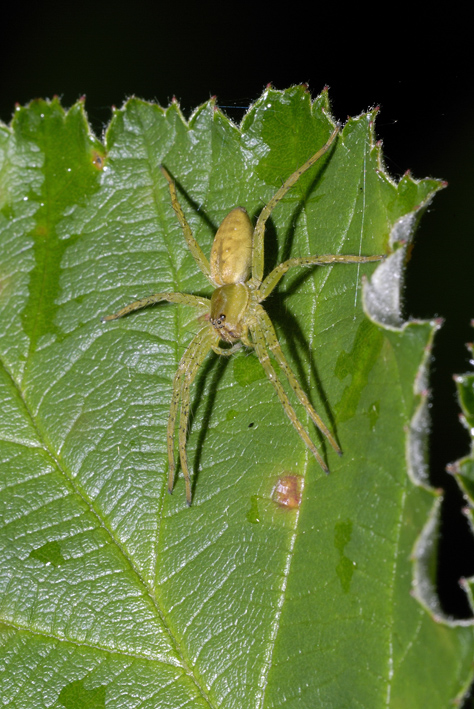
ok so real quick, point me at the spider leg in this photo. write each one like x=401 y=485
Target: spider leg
x=183 y=379
x=193 y=245
x=227 y=351
x=275 y=348
x=180 y=298
x=257 y=246
x=258 y=340
x=274 y=276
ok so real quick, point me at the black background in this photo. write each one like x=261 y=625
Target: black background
x=416 y=67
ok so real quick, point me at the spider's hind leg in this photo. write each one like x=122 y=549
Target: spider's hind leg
x=194 y=301
x=191 y=242
x=259 y=232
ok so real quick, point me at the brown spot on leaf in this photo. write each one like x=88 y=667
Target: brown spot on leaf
x=41 y=231
x=98 y=160
x=288 y=491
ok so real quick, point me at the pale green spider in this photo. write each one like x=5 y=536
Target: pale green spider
x=234 y=312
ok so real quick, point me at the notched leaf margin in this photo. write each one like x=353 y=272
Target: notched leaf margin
x=463 y=469
x=382 y=298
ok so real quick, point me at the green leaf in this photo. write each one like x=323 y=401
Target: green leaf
x=279 y=586
x=463 y=470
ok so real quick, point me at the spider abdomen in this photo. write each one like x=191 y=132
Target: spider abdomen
x=231 y=253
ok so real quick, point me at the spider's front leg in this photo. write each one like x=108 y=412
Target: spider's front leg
x=188 y=367
x=257 y=330
x=184 y=377
x=274 y=346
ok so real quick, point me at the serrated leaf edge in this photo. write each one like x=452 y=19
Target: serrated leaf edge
x=382 y=304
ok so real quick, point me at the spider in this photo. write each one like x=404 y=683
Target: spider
x=234 y=314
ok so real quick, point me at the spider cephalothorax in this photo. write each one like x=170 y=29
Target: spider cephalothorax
x=230 y=310
x=235 y=314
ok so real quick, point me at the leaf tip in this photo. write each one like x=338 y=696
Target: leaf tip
x=452 y=468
